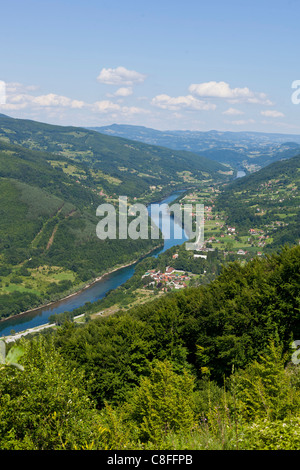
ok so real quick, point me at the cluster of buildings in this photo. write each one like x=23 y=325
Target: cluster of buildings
x=170 y=279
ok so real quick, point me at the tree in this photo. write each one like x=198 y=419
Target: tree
x=44 y=406
x=163 y=402
x=264 y=388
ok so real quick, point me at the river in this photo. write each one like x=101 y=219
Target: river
x=100 y=288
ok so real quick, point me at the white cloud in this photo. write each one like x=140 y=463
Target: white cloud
x=57 y=100
x=16 y=99
x=224 y=91
x=77 y=104
x=16 y=96
x=12 y=107
x=105 y=106
x=282 y=125
x=260 y=99
x=20 y=98
x=120 y=76
x=15 y=102
x=176 y=103
x=233 y=112
x=217 y=90
x=272 y=113
x=123 y=91
x=53 y=103
x=16 y=87
x=131 y=110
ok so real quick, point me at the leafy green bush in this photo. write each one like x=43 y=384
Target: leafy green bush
x=162 y=402
x=272 y=435
x=45 y=406
x=264 y=389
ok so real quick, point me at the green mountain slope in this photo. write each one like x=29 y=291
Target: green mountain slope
x=48 y=241
x=208 y=368
x=114 y=165
x=268 y=199
x=206 y=329
x=52 y=179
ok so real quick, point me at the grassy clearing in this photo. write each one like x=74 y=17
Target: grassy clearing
x=68 y=169
x=98 y=174
x=36 y=282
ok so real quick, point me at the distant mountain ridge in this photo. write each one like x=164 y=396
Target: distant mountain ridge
x=133 y=130
x=236 y=148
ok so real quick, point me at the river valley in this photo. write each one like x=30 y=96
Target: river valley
x=99 y=289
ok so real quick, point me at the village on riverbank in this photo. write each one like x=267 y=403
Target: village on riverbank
x=170 y=279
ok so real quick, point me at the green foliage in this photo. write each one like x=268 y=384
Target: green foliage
x=115 y=432
x=162 y=402
x=263 y=434
x=264 y=389
x=115 y=350
x=45 y=406
x=203 y=368
x=12 y=357
x=192 y=370
x=208 y=329
x=17 y=302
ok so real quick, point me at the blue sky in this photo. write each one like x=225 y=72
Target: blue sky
x=162 y=64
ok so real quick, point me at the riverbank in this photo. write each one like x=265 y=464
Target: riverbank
x=81 y=289
x=14 y=337
x=91 y=292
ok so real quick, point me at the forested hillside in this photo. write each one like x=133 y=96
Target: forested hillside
x=205 y=368
x=269 y=200
x=48 y=240
x=52 y=180
x=112 y=165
